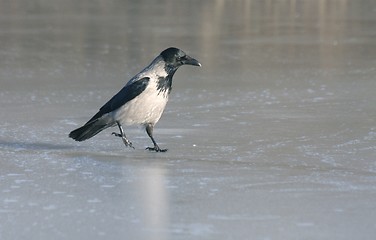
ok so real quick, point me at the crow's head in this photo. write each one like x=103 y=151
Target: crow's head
x=174 y=58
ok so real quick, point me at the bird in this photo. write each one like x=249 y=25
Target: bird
x=140 y=102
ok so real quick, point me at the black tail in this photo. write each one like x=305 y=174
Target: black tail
x=88 y=130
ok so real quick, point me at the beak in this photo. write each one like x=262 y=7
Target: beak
x=191 y=61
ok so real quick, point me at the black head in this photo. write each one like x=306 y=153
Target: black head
x=175 y=58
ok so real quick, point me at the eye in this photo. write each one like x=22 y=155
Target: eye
x=180 y=58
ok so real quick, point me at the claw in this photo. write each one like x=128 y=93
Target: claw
x=126 y=142
x=156 y=149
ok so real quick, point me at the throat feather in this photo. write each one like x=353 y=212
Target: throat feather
x=164 y=85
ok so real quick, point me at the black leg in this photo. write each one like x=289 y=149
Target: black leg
x=123 y=137
x=149 y=131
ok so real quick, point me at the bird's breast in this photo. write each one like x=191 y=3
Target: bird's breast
x=146 y=108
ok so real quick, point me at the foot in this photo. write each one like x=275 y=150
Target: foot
x=156 y=149
x=126 y=142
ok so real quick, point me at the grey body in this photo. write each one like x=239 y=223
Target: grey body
x=141 y=101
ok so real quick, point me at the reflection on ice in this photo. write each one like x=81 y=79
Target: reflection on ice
x=156 y=201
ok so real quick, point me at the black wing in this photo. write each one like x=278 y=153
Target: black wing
x=126 y=94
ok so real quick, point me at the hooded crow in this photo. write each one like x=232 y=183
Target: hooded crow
x=141 y=101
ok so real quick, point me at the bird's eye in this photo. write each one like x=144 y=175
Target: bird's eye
x=180 y=58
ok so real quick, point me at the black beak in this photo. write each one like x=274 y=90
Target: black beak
x=191 y=61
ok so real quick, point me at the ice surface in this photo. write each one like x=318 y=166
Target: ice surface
x=273 y=138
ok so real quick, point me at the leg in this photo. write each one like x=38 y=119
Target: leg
x=123 y=137
x=149 y=131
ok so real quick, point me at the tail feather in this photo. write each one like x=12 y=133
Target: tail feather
x=89 y=130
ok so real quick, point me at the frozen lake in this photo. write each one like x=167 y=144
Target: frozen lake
x=273 y=138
